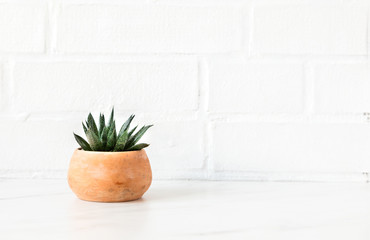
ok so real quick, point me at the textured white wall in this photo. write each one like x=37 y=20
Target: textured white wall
x=255 y=90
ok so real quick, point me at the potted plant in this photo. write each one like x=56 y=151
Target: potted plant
x=110 y=167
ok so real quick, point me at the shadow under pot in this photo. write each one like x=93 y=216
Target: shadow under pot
x=109 y=176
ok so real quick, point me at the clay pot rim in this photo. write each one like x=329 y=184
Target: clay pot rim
x=110 y=153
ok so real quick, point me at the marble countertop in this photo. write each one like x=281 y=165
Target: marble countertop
x=47 y=209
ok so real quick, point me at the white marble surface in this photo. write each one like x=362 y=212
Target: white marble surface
x=47 y=209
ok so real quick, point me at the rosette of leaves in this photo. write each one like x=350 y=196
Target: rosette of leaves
x=106 y=139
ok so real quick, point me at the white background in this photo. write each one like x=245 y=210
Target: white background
x=254 y=90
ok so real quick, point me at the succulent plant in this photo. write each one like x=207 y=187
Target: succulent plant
x=106 y=139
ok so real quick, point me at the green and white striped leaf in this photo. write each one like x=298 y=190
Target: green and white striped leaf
x=101 y=123
x=92 y=124
x=138 y=147
x=104 y=137
x=135 y=138
x=131 y=132
x=84 y=127
x=94 y=140
x=82 y=142
x=126 y=125
x=111 y=119
x=121 y=142
x=112 y=138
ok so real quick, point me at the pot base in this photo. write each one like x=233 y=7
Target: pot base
x=118 y=201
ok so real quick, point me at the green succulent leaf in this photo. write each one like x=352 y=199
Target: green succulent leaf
x=82 y=142
x=111 y=119
x=112 y=137
x=84 y=127
x=135 y=138
x=138 y=147
x=92 y=124
x=126 y=125
x=111 y=128
x=101 y=123
x=104 y=137
x=121 y=142
x=131 y=132
x=94 y=140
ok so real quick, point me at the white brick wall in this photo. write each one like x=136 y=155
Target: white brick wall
x=294 y=147
x=35 y=144
x=22 y=27
x=342 y=88
x=2 y=90
x=77 y=86
x=256 y=90
x=237 y=86
x=176 y=145
x=143 y=29
x=332 y=30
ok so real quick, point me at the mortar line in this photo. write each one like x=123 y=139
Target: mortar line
x=203 y=114
x=53 y=7
x=47 y=28
x=250 y=29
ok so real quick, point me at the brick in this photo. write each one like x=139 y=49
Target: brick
x=295 y=147
x=37 y=145
x=2 y=89
x=22 y=28
x=175 y=145
x=151 y=86
x=237 y=86
x=342 y=88
x=133 y=29
x=310 y=30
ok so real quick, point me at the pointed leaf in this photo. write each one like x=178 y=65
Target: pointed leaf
x=94 y=140
x=84 y=145
x=104 y=137
x=126 y=125
x=84 y=127
x=112 y=127
x=101 y=123
x=112 y=138
x=92 y=124
x=138 y=147
x=111 y=118
x=134 y=139
x=130 y=137
x=131 y=132
x=121 y=142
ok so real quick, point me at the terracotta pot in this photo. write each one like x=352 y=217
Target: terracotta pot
x=109 y=176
